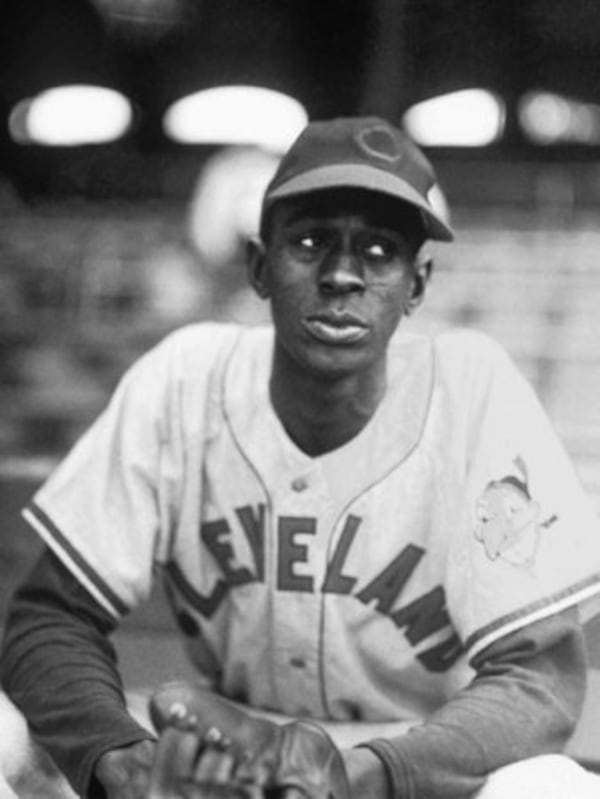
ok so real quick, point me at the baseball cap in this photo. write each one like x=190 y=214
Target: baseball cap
x=359 y=152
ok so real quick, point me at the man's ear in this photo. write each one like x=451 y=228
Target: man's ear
x=256 y=266
x=423 y=267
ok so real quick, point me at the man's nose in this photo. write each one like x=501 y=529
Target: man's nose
x=341 y=274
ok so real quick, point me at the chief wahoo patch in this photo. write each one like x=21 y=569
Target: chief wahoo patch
x=509 y=523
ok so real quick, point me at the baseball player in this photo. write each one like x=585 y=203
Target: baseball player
x=371 y=534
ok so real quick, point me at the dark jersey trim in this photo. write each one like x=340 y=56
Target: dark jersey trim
x=76 y=557
x=524 y=613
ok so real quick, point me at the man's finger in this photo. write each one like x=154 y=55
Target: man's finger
x=214 y=766
x=174 y=763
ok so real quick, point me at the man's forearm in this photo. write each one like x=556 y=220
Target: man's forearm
x=59 y=668
x=525 y=701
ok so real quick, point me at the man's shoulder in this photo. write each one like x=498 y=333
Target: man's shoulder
x=191 y=361
x=458 y=356
x=465 y=343
x=470 y=362
x=449 y=345
x=203 y=344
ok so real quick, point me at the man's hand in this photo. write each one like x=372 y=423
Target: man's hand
x=125 y=773
x=209 y=748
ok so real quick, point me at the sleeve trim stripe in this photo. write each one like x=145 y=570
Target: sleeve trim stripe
x=74 y=561
x=578 y=593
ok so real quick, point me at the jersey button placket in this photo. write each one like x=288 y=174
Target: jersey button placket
x=297 y=609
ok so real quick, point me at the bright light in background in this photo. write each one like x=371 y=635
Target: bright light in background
x=468 y=118
x=236 y=115
x=550 y=118
x=70 y=116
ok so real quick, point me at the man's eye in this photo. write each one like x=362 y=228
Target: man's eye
x=378 y=250
x=310 y=242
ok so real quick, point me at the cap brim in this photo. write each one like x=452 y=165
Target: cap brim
x=360 y=176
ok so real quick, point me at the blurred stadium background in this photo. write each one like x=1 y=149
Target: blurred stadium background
x=106 y=245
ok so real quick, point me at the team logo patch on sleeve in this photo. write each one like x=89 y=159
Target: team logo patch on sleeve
x=509 y=521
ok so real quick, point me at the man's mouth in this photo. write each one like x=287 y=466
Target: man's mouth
x=340 y=328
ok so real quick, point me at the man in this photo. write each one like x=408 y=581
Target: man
x=331 y=503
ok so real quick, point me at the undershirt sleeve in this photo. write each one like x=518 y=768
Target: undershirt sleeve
x=524 y=701
x=59 y=667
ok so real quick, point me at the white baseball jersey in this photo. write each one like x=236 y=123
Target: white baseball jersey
x=353 y=585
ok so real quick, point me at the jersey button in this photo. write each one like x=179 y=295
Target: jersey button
x=300 y=484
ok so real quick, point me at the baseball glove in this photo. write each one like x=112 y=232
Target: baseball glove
x=209 y=748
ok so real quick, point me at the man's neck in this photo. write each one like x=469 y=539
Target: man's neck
x=321 y=414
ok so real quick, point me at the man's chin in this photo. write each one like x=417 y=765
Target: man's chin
x=338 y=362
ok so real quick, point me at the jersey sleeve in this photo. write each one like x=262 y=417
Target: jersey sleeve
x=104 y=511
x=527 y=543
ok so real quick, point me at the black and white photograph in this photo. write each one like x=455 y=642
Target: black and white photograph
x=299 y=399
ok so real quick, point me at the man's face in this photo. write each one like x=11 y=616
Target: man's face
x=339 y=274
